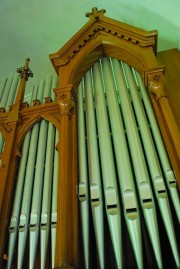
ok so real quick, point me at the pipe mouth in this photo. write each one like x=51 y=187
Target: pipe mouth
x=132 y=213
x=112 y=209
x=95 y=202
x=147 y=203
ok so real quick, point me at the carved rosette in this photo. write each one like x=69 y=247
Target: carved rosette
x=66 y=99
x=156 y=83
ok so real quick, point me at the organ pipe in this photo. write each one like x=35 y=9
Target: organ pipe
x=13 y=227
x=83 y=177
x=167 y=169
x=3 y=102
x=25 y=209
x=12 y=91
x=128 y=193
x=37 y=192
x=7 y=88
x=108 y=170
x=142 y=178
x=94 y=170
x=2 y=86
x=54 y=203
x=47 y=190
x=30 y=185
x=153 y=164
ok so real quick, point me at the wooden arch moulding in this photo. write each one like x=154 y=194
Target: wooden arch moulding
x=103 y=36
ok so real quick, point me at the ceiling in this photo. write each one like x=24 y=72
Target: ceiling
x=38 y=28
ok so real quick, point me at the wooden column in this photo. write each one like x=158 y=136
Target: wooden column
x=65 y=238
x=167 y=122
x=11 y=121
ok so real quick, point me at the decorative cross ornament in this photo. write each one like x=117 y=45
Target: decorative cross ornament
x=95 y=13
x=25 y=71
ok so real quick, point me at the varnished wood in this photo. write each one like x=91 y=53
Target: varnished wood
x=167 y=139
x=171 y=59
x=64 y=257
x=166 y=119
x=101 y=36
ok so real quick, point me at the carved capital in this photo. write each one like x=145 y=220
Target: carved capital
x=155 y=80
x=66 y=98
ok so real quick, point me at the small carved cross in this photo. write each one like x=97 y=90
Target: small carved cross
x=96 y=13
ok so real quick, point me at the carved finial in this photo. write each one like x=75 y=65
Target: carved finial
x=25 y=71
x=95 y=13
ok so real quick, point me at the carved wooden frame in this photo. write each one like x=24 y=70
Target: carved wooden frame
x=101 y=36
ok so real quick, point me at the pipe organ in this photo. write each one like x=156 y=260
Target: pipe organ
x=118 y=153
x=89 y=172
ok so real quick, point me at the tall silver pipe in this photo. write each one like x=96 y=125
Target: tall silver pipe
x=54 y=202
x=47 y=88
x=54 y=85
x=40 y=178
x=94 y=170
x=107 y=163
x=128 y=193
x=3 y=102
x=7 y=88
x=2 y=86
x=13 y=227
x=142 y=177
x=153 y=163
x=166 y=166
x=83 y=177
x=37 y=192
x=12 y=91
x=47 y=193
x=27 y=193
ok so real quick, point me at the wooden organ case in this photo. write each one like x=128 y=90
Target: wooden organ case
x=133 y=180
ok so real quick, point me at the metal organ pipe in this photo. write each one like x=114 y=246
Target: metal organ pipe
x=128 y=193
x=83 y=177
x=94 y=169
x=3 y=101
x=53 y=218
x=13 y=227
x=36 y=171
x=12 y=91
x=28 y=187
x=153 y=164
x=107 y=164
x=54 y=202
x=7 y=88
x=2 y=86
x=167 y=169
x=142 y=178
x=37 y=192
x=47 y=190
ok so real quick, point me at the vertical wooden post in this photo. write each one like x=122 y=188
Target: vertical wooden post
x=167 y=122
x=9 y=158
x=7 y=173
x=65 y=222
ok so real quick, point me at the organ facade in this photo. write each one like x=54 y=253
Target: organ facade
x=89 y=175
